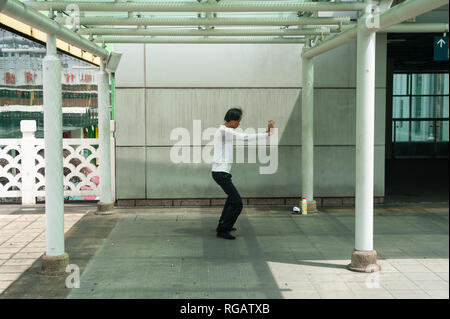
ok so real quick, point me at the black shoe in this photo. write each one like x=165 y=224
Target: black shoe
x=225 y=235
x=232 y=229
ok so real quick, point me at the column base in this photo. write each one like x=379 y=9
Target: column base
x=105 y=208
x=54 y=265
x=311 y=207
x=364 y=261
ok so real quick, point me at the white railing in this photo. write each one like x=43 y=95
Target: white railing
x=22 y=166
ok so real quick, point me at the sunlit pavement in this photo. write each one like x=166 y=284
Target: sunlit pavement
x=174 y=253
x=22 y=239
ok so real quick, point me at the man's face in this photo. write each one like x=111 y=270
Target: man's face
x=235 y=124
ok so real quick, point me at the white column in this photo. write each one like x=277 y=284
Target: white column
x=104 y=118
x=365 y=121
x=308 y=128
x=113 y=158
x=28 y=128
x=54 y=191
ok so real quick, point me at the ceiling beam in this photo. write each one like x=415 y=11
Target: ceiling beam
x=185 y=6
x=192 y=32
x=206 y=40
x=164 y=21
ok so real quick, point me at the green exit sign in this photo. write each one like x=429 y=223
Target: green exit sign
x=440 y=48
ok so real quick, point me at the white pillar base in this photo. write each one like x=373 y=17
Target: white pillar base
x=54 y=265
x=105 y=208
x=311 y=207
x=364 y=261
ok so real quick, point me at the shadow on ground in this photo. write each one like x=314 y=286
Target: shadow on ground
x=174 y=253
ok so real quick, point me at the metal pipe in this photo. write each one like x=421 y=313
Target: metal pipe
x=164 y=21
x=417 y=28
x=405 y=27
x=54 y=192
x=19 y=11
x=192 y=32
x=397 y=14
x=308 y=128
x=199 y=40
x=407 y=10
x=103 y=134
x=330 y=43
x=29 y=50
x=184 y=6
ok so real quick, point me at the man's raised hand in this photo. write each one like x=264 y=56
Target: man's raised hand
x=270 y=126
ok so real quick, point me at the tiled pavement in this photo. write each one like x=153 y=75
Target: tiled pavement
x=173 y=253
x=22 y=241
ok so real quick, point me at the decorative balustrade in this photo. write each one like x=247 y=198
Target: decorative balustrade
x=22 y=166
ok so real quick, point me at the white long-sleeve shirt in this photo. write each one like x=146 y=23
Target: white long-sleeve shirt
x=223 y=146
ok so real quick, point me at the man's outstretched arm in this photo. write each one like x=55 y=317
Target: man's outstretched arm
x=251 y=137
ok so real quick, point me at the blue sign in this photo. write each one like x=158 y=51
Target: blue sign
x=440 y=48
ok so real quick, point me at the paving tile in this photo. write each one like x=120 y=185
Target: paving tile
x=35 y=244
x=354 y=277
x=4 y=284
x=296 y=285
x=393 y=276
x=409 y=294
x=438 y=268
x=324 y=277
x=301 y=294
x=9 y=233
x=8 y=269
x=398 y=284
x=372 y=285
x=438 y=294
x=330 y=286
x=14 y=261
x=422 y=276
x=368 y=294
x=404 y=261
x=29 y=249
x=443 y=275
x=338 y=294
x=28 y=255
x=411 y=268
x=387 y=266
x=9 y=277
x=5 y=256
x=432 y=284
x=13 y=250
x=13 y=245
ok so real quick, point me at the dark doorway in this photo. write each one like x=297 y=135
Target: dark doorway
x=417 y=121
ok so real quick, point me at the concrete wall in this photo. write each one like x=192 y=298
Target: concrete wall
x=162 y=87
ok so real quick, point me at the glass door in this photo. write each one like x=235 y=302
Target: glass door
x=420 y=115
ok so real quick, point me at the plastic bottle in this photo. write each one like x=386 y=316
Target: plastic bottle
x=304 y=206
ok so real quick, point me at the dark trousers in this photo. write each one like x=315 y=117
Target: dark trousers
x=233 y=205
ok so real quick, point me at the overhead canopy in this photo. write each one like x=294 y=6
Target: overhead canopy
x=315 y=23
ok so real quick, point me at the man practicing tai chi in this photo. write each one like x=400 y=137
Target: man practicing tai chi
x=221 y=167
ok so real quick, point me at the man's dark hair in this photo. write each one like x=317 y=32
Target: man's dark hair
x=233 y=114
